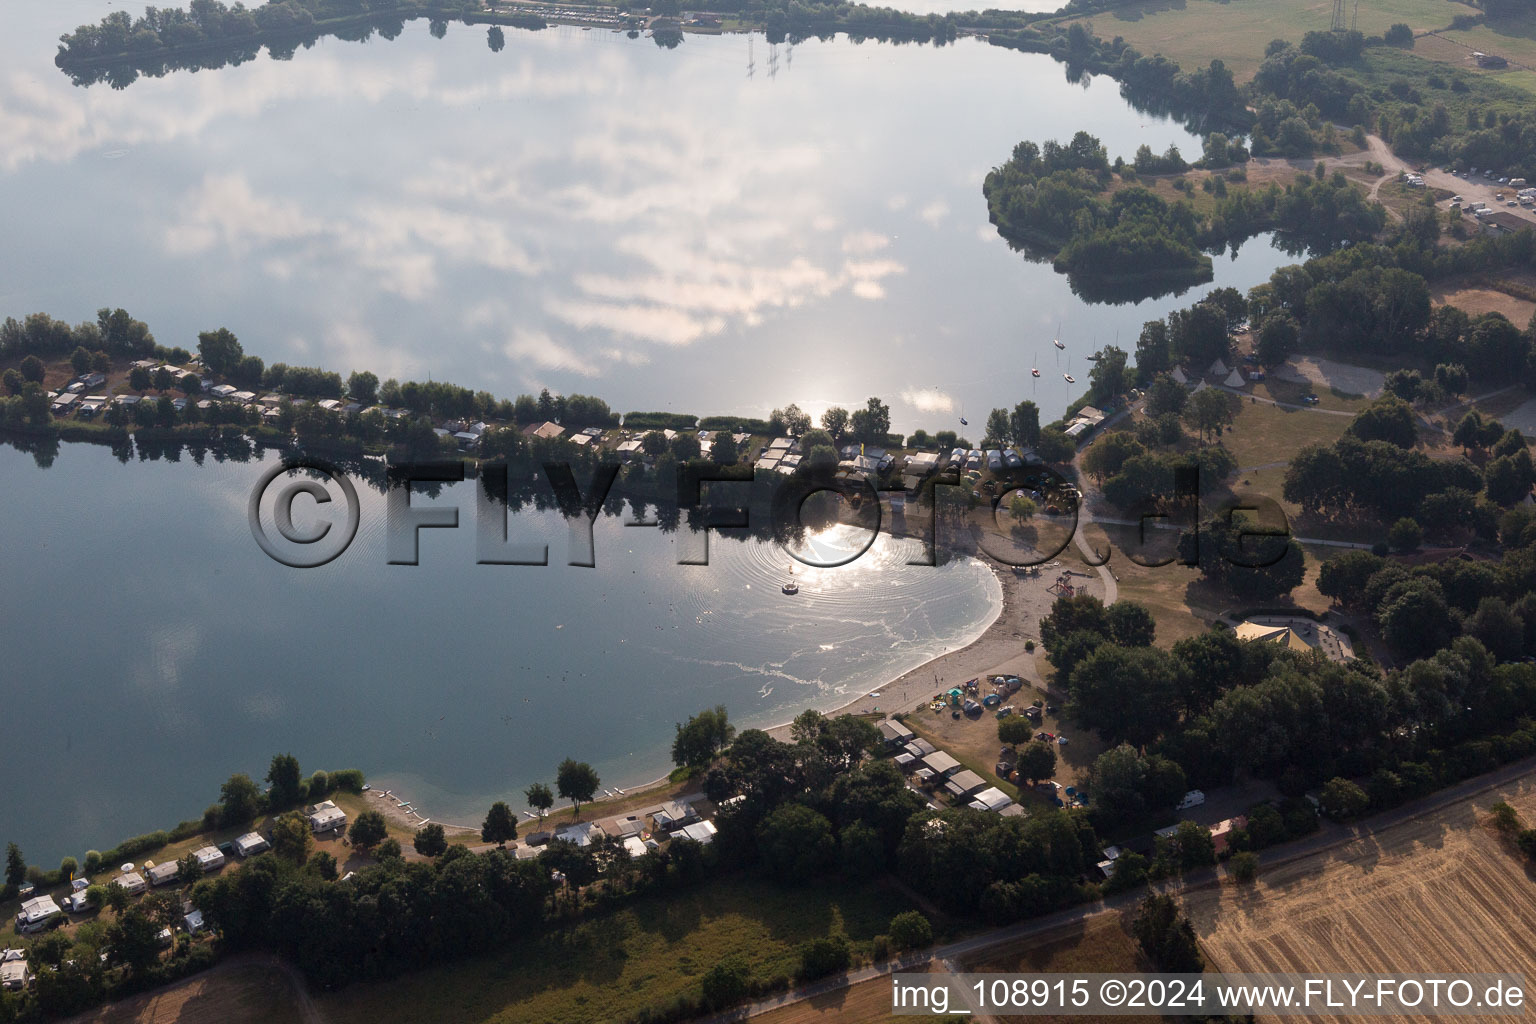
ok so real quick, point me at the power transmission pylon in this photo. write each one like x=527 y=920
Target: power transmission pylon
x=1338 y=16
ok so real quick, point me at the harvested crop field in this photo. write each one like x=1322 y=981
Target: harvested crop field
x=1440 y=894
x=253 y=991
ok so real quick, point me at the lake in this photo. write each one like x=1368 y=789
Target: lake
x=723 y=227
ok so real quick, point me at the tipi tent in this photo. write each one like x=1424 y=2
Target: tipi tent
x=1179 y=375
x=1218 y=369
x=1235 y=379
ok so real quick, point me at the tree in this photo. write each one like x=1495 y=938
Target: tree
x=796 y=842
x=1414 y=617
x=1166 y=936
x=1390 y=419
x=284 y=779
x=1024 y=424
x=1106 y=455
x=292 y=837
x=726 y=983
x=910 y=930
x=722 y=449
x=576 y=781
x=1342 y=799
x=239 y=801
x=1278 y=338
x=368 y=831
x=430 y=840
x=1209 y=411
x=872 y=423
x=80 y=361
x=1055 y=447
x=499 y=826
x=998 y=429
x=363 y=387
x=1196 y=847
x=324 y=864
x=1015 y=729
x=835 y=422
x=796 y=420
x=654 y=443
x=32 y=369
x=1126 y=693
x=14 y=381
x=15 y=865
x=1109 y=377
x=1405 y=534
x=823 y=956
x=1165 y=396
x=495 y=38
x=134 y=940
x=703 y=737
x=1021 y=508
x=1130 y=624
x=220 y=350
x=1343 y=578
x=1245 y=866
x=539 y=798
x=188 y=870
x=1153 y=356
x=1037 y=760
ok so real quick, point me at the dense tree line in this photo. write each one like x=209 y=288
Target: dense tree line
x=1051 y=199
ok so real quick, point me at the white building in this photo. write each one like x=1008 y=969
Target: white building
x=251 y=844
x=326 y=816
x=211 y=858
x=36 y=913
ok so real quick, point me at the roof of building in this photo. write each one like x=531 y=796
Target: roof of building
x=991 y=799
x=965 y=782
x=940 y=762
x=895 y=731
x=1285 y=636
x=699 y=832
x=547 y=429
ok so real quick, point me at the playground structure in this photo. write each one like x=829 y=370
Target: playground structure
x=1063 y=587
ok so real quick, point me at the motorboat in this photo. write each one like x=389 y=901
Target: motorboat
x=791 y=587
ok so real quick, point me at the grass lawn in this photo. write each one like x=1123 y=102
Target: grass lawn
x=1290 y=392
x=1193 y=32
x=1512 y=38
x=1179 y=602
x=646 y=955
x=1264 y=433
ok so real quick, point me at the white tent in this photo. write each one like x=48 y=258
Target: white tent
x=1235 y=379
x=1179 y=375
x=1218 y=369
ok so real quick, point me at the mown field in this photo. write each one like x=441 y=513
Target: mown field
x=250 y=992
x=1440 y=894
x=611 y=966
x=1192 y=32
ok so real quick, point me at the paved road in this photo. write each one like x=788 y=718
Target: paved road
x=1329 y=838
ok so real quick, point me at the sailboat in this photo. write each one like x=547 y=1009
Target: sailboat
x=791 y=587
x=1068 y=376
x=1057 y=340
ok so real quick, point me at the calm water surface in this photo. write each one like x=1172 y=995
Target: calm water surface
x=668 y=229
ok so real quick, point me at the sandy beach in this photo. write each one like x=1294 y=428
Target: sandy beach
x=998 y=651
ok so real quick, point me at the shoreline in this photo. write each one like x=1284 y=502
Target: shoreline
x=998 y=649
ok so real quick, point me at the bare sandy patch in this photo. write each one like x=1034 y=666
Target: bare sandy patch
x=1327 y=374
